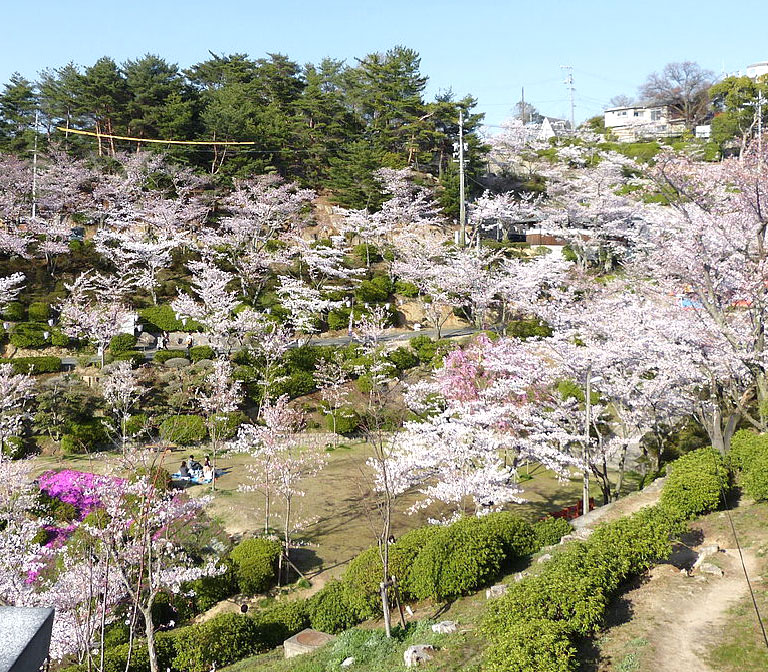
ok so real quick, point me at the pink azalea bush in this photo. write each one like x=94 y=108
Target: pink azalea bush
x=76 y=488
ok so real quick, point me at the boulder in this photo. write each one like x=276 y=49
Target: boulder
x=444 y=627
x=544 y=558
x=496 y=591
x=704 y=553
x=348 y=662
x=709 y=568
x=146 y=341
x=418 y=654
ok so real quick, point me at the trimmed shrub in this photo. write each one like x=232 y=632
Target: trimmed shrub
x=407 y=289
x=550 y=530
x=163 y=318
x=403 y=553
x=136 y=424
x=695 y=483
x=29 y=335
x=122 y=343
x=297 y=384
x=227 y=424
x=59 y=339
x=333 y=609
x=403 y=359
x=162 y=356
x=366 y=252
x=256 y=564
x=220 y=641
x=83 y=437
x=34 y=365
x=424 y=347
x=184 y=430
x=15 y=312
x=376 y=290
x=745 y=447
x=135 y=357
x=516 y=535
x=198 y=352
x=529 y=645
x=456 y=561
x=210 y=590
x=347 y=421
x=39 y=311
x=281 y=621
x=755 y=477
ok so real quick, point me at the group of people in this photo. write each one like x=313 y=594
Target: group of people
x=193 y=469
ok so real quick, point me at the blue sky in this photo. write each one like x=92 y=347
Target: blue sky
x=490 y=49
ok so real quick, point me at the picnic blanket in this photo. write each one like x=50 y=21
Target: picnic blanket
x=197 y=480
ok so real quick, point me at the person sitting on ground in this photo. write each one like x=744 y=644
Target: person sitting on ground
x=207 y=472
x=207 y=462
x=194 y=465
x=183 y=471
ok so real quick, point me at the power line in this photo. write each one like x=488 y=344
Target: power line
x=153 y=140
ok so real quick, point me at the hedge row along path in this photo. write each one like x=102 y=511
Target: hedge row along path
x=675 y=619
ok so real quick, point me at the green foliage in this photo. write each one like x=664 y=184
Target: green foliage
x=198 y=352
x=754 y=480
x=256 y=564
x=529 y=645
x=524 y=329
x=456 y=561
x=210 y=590
x=376 y=290
x=15 y=312
x=162 y=356
x=517 y=536
x=59 y=339
x=424 y=347
x=29 y=335
x=84 y=437
x=280 y=621
x=695 y=483
x=184 y=430
x=223 y=639
x=347 y=421
x=34 y=365
x=39 y=311
x=746 y=446
x=365 y=252
x=550 y=530
x=122 y=343
x=162 y=318
x=403 y=358
x=53 y=507
x=333 y=608
x=136 y=424
x=406 y=289
x=298 y=384
x=225 y=425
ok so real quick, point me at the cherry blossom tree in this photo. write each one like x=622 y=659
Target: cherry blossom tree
x=218 y=397
x=122 y=391
x=305 y=304
x=330 y=377
x=10 y=287
x=16 y=391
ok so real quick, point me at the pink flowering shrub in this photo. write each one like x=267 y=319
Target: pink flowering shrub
x=76 y=488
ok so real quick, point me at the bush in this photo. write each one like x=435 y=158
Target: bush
x=198 y=352
x=15 y=312
x=376 y=290
x=163 y=318
x=550 y=530
x=296 y=385
x=135 y=357
x=424 y=347
x=184 y=430
x=84 y=437
x=516 y=535
x=524 y=329
x=34 y=365
x=162 y=356
x=224 y=639
x=333 y=608
x=281 y=621
x=227 y=424
x=256 y=564
x=39 y=311
x=403 y=553
x=29 y=335
x=755 y=477
x=746 y=446
x=695 y=483
x=338 y=319
x=122 y=343
x=403 y=359
x=407 y=289
x=210 y=590
x=456 y=561
x=528 y=645
x=136 y=424
x=347 y=421
x=59 y=339
x=366 y=252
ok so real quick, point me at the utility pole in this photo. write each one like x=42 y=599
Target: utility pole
x=462 y=203
x=569 y=83
x=34 y=167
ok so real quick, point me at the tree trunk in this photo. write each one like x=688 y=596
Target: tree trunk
x=150 y=631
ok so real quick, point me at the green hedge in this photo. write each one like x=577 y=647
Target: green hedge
x=198 y=352
x=162 y=356
x=403 y=359
x=695 y=483
x=84 y=437
x=550 y=530
x=256 y=564
x=334 y=608
x=532 y=645
x=122 y=343
x=34 y=365
x=39 y=311
x=15 y=312
x=281 y=621
x=184 y=430
x=29 y=335
x=347 y=421
x=224 y=639
x=745 y=447
x=162 y=318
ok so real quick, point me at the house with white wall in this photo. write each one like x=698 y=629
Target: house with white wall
x=641 y=122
